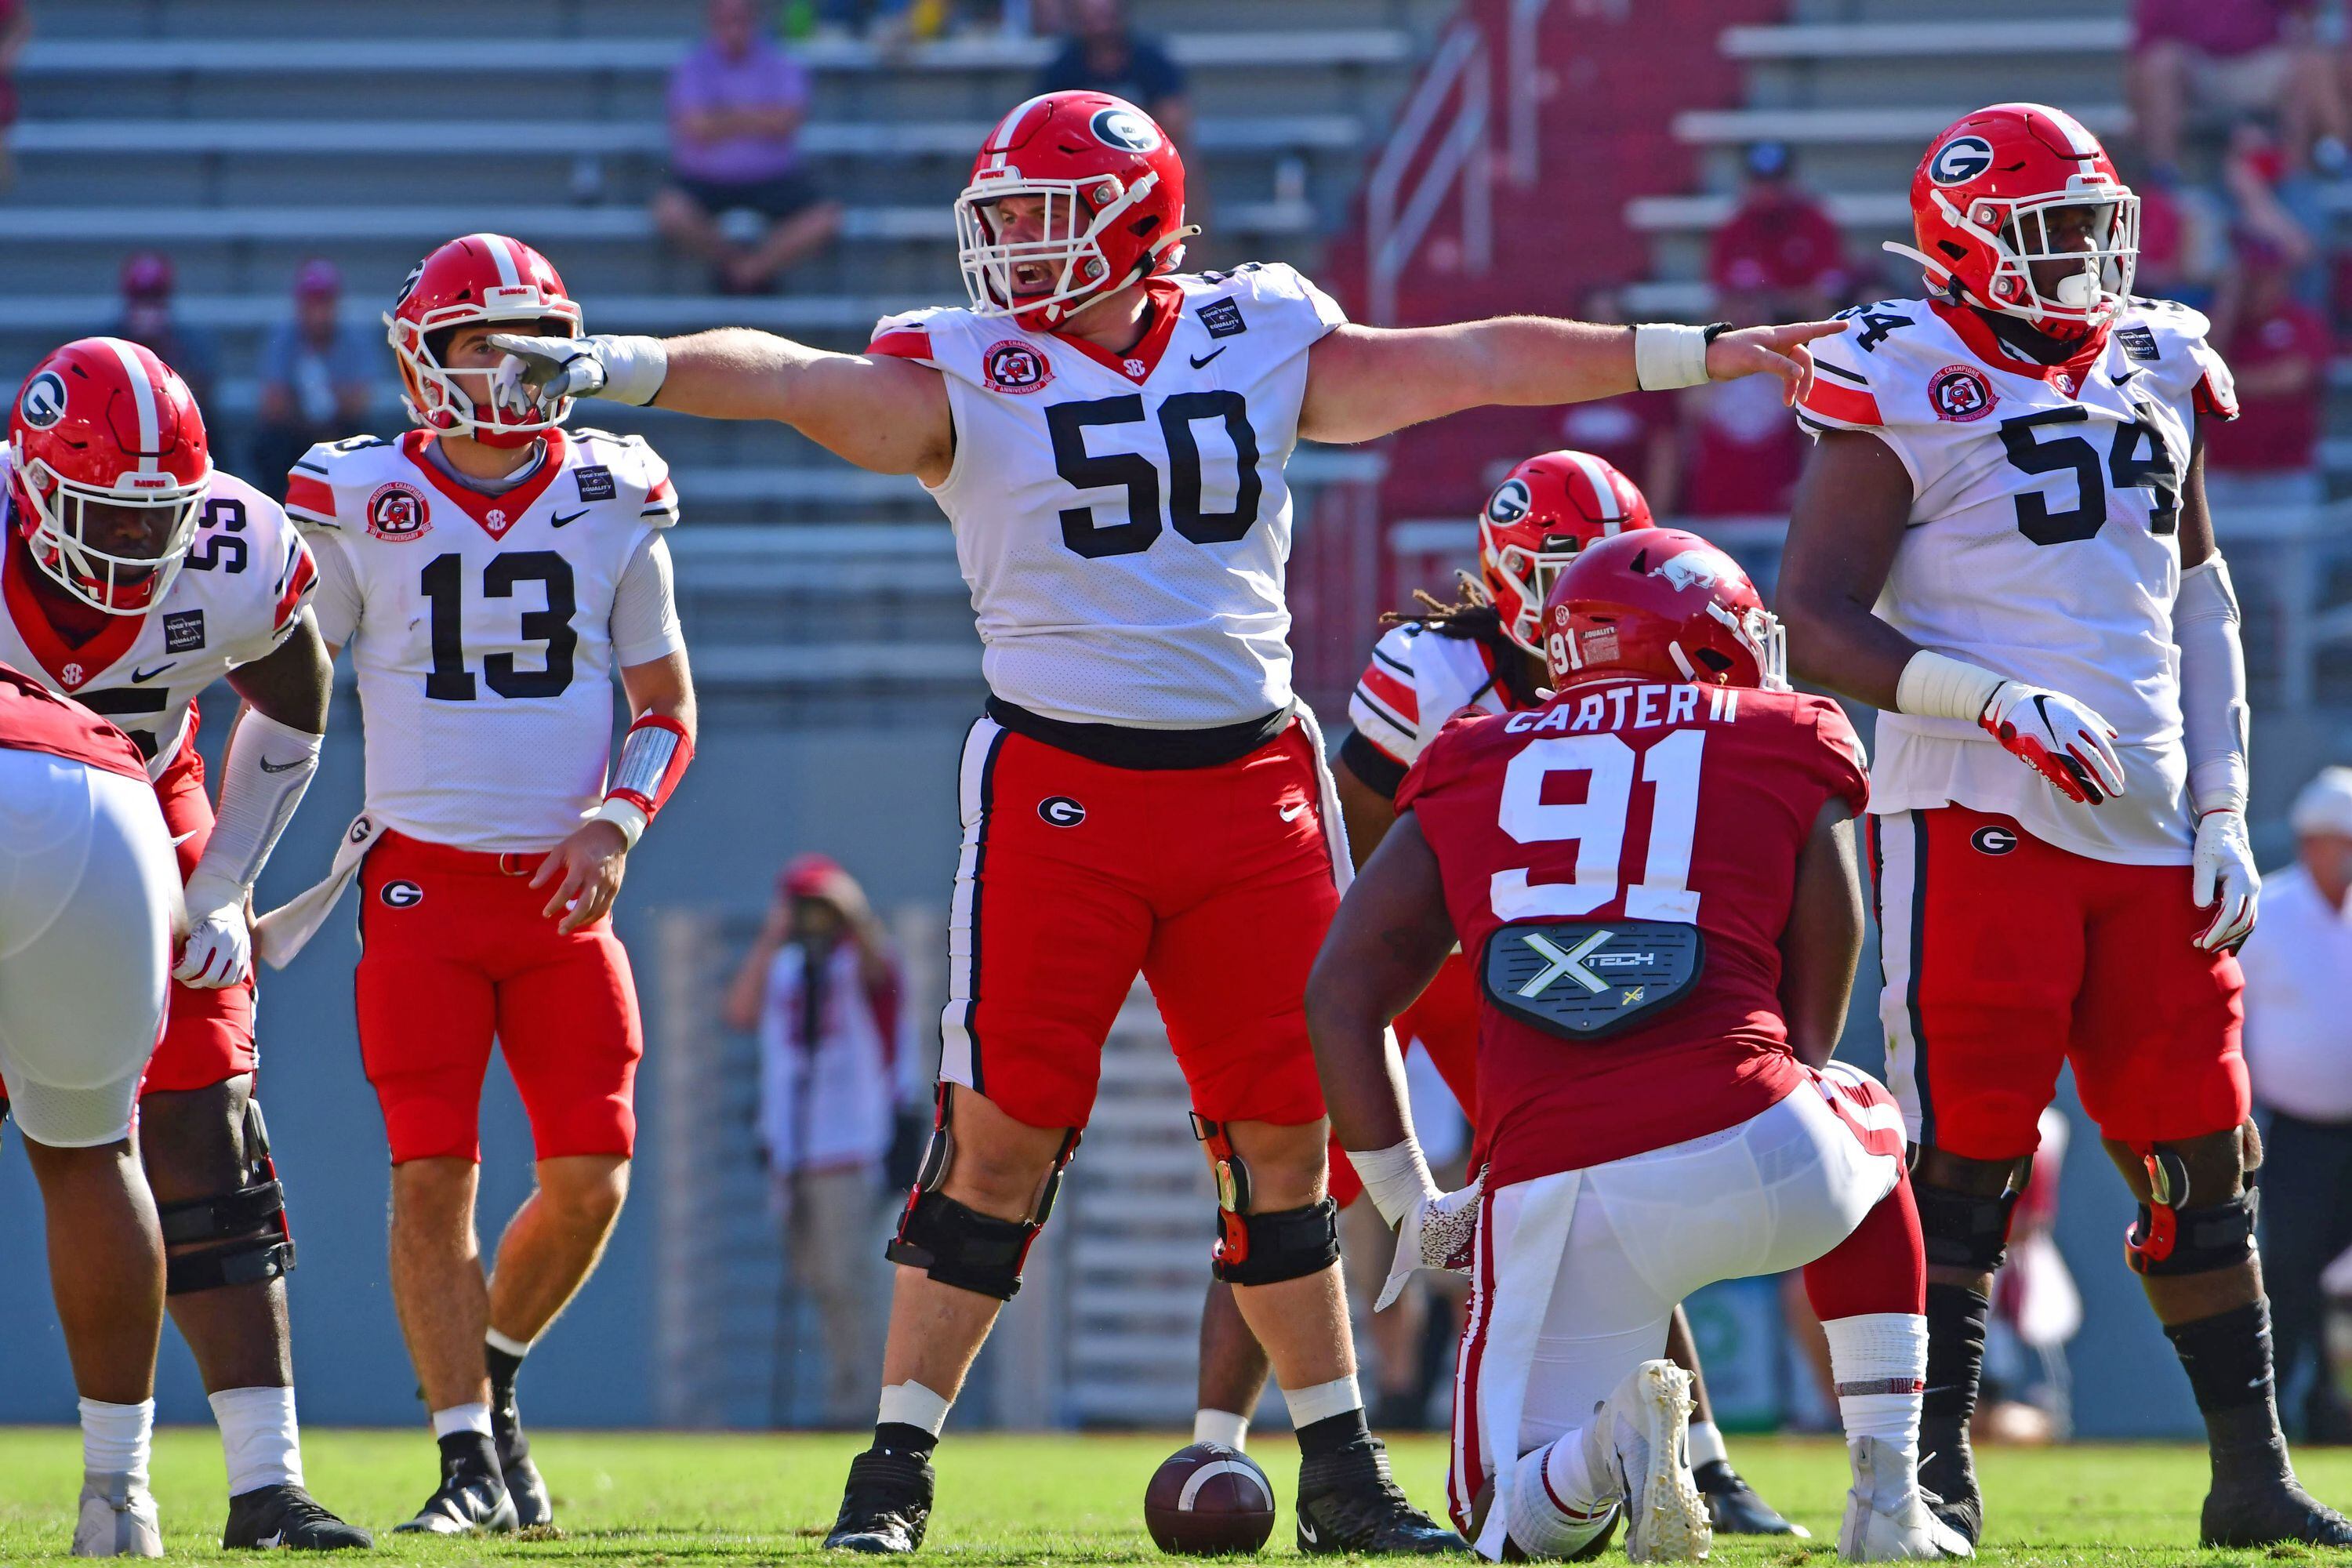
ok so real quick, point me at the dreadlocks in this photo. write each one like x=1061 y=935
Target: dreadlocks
x=1470 y=617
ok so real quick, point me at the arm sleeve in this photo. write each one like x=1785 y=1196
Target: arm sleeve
x=644 y=607
x=336 y=598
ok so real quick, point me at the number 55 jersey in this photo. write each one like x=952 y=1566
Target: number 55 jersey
x=2043 y=544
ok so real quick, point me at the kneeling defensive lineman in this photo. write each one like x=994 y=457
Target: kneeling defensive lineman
x=1110 y=438
x=136 y=574
x=1481 y=654
x=490 y=572
x=2010 y=471
x=1652 y=876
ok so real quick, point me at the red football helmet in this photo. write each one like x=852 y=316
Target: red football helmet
x=103 y=422
x=2019 y=184
x=1662 y=603
x=481 y=277
x=1113 y=189
x=1544 y=511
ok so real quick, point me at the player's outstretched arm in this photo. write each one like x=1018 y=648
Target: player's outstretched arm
x=887 y=414
x=1822 y=940
x=585 y=871
x=1363 y=382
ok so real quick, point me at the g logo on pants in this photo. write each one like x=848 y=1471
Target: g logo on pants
x=1993 y=839
x=402 y=895
x=1061 y=811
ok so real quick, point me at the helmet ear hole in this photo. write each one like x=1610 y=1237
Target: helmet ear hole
x=1954 y=249
x=1715 y=660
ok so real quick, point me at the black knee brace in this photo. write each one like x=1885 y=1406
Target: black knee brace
x=956 y=1244
x=1963 y=1230
x=2169 y=1237
x=1262 y=1248
x=254 y=1243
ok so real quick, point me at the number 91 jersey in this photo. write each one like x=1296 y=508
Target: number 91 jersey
x=1123 y=520
x=2043 y=544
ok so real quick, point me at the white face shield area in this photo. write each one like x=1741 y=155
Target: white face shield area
x=2071 y=254
x=1050 y=263
x=1535 y=572
x=114 y=550
x=469 y=399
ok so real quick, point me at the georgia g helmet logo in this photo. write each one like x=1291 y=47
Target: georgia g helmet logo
x=1960 y=160
x=44 y=403
x=1510 y=502
x=1125 y=129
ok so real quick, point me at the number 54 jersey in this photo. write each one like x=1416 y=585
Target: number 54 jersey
x=483 y=629
x=2043 y=544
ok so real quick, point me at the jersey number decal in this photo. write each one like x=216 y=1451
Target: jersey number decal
x=1068 y=422
x=2139 y=457
x=1597 y=826
x=445 y=584
x=219 y=547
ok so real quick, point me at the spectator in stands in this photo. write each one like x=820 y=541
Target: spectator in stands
x=736 y=106
x=1739 y=453
x=1781 y=242
x=318 y=374
x=821 y=987
x=2277 y=347
x=148 y=318
x=2234 y=57
x=15 y=32
x=2299 y=1055
x=2265 y=197
x=1104 y=54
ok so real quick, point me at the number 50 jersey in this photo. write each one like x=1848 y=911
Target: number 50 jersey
x=1123 y=520
x=2043 y=544
x=484 y=628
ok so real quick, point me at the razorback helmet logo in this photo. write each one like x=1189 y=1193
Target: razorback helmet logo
x=1663 y=605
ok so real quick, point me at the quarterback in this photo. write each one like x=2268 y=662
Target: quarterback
x=2001 y=542
x=1108 y=437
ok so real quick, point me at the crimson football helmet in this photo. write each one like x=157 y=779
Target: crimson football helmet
x=1544 y=511
x=1663 y=604
x=2017 y=185
x=481 y=277
x=102 y=422
x=1113 y=190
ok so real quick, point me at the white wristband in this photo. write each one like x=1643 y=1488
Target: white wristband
x=1667 y=354
x=626 y=814
x=635 y=368
x=1396 y=1177
x=1936 y=687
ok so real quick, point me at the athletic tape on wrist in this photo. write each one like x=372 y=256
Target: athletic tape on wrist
x=1934 y=685
x=1395 y=1178
x=1668 y=354
x=635 y=368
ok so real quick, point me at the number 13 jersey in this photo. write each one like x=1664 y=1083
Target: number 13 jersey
x=485 y=629
x=1123 y=518
x=2043 y=544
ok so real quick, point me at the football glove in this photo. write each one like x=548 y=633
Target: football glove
x=218 y=952
x=544 y=370
x=1436 y=1233
x=2221 y=871
x=2057 y=737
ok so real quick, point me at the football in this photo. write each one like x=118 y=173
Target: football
x=1207 y=1500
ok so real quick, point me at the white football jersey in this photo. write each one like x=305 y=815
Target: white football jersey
x=483 y=641
x=1123 y=520
x=237 y=596
x=1418 y=679
x=2043 y=545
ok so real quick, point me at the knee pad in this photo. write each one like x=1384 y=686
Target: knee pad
x=2169 y=1237
x=243 y=1233
x=1963 y=1230
x=1262 y=1248
x=954 y=1243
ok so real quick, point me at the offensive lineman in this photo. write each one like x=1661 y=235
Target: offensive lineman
x=490 y=572
x=1482 y=653
x=1650 y=1051
x=135 y=575
x=2001 y=541
x=1108 y=438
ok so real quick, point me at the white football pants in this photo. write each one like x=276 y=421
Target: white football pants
x=89 y=893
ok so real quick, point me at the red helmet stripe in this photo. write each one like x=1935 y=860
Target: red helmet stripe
x=1613 y=510
x=143 y=398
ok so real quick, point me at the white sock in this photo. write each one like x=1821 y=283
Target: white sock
x=1879 y=1360
x=911 y=1404
x=1221 y=1426
x=1551 y=1516
x=473 y=1418
x=260 y=1437
x=507 y=1342
x=1706 y=1444
x=1322 y=1401
x=115 y=1438
x=1575 y=1469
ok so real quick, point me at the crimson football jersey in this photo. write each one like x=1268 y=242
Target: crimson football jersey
x=34 y=718
x=1623 y=801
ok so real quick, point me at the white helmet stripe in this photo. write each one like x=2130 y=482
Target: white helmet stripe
x=1006 y=126
x=143 y=398
x=2079 y=138
x=509 y=275
x=1611 y=509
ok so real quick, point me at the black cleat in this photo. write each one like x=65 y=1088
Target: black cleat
x=2272 y=1511
x=524 y=1484
x=1347 y=1502
x=285 y=1516
x=1733 y=1508
x=886 y=1505
x=472 y=1496
x=1948 y=1475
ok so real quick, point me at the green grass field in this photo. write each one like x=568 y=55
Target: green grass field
x=629 y=1499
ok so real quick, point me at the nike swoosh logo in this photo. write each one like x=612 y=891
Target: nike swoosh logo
x=1293 y=812
x=1307 y=1534
x=2126 y=375
x=560 y=518
x=1213 y=354
x=269 y=767
x=271 y=1542
x=138 y=675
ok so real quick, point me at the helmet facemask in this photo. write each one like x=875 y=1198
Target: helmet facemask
x=1078 y=213
x=1530 y=573
x=2021 y=234
x=116 y=584
x=438 y=397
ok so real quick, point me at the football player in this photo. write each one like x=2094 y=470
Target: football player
x=491 y=572
x=1109 y=438
x=2001 y=542
x=1653 y=874
x=1481 y=654
x=136 y=574
x=88 y=896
